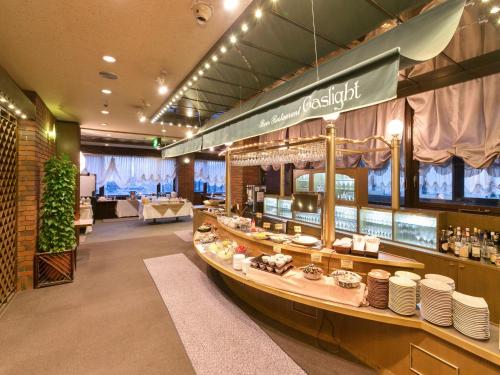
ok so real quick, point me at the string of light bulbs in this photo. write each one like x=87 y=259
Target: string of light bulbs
x=9 y=104
x=205 y=66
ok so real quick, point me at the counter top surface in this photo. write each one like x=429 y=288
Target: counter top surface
x=485 y=349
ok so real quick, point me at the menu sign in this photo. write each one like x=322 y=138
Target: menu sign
x=266 y=225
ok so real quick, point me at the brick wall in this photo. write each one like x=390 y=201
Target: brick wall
x=185 y=177
x=243 y=176
x=34 y=148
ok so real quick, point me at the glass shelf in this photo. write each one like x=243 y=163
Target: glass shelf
x=307 y=217
x=271 y=206
x=376 y=222
x=346 y=218
x=415 y=229
x=302 y=184
x=344 y=188
x=319 y=182
x=285 y=208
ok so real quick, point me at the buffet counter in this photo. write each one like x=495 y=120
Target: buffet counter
x=163 y=209
x=417 y=346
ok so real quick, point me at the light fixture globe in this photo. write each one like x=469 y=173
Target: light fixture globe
x=331 y=116
x=395 y=128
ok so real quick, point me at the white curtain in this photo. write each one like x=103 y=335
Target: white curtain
x=212 y=172
x=482 y=183
x=130 y=170
x=436 y=181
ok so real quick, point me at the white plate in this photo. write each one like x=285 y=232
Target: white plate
x=305 y=240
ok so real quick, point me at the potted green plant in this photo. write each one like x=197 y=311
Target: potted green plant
x=54 y=261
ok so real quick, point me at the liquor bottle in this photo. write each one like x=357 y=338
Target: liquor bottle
x=443 y=242
x=476 y=246
x=458 y=242
x=466 y=245
x=451 y=241
x=484 y=246
x=492 y=249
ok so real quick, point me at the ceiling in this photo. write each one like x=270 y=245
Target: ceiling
x=55 y=48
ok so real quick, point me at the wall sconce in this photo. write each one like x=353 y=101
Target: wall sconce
x=51 y=133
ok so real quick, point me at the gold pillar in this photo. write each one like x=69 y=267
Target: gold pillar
x=228 y=182
x=282 y=180
x=395 y=158
x=329 y=203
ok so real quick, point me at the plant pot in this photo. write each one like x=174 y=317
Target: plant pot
x=53 y=268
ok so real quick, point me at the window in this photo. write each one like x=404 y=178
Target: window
x=112 y=188
x=379 y=184
x=167 y=187
x=436 y=181
x=482 y=184
x=209 y=176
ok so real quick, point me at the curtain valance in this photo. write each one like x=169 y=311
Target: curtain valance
x=212 y=172
x=130 y=170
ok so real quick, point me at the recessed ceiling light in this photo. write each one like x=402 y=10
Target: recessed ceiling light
x=163 y=130
x=185 y=88
x=106 y=144
x=171 y=124
x=231 y=4
x=103 y=124
x=211 y=149
x=189 y=134
x=109 y=59
x=24 y=117
x=162 y=89
x=495 y=10
x=244 y=27
x=233 y=39
x=105 y=112
x=179 y=125
x=258 y=13
x=207 y=66
x=190 y=83
x=17 y=111
x=200 y=72
x=195 y=78
x=214 y=58
x=106 y=91
x=223 y=49
x=11 y=106
x=2 y=99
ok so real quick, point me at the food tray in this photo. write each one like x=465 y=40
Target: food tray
x=342 y=249
x=259 y=264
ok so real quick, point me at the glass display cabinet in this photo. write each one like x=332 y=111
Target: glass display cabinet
x=376 y=222
x=346 y=218
x=306 y=207
x=351 y=184
x=285 y=207
x=271 y=205
x=418 y=228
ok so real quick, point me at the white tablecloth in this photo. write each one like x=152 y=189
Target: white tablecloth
x=127 y=208
x=86 y=212
x=160 y=210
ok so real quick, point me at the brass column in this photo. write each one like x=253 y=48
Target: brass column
x=395 y=157
x=282 y=180
x=329 y=203
x=228 y=182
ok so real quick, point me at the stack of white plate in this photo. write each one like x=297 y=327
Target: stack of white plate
x=444 y=279
x=412 y=276
x=402 y=295
x=435 y=303
x=471 y=316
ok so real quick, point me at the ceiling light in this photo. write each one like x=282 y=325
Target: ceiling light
x=17 y=112
x=258 y=13
x=106 y=91
x=163 y=130
x=103 y=124
x=171 y=124
x=244 y=27
x=141 y=116
x=223 y=49
x=24 y=117
x=207 y=65
x=195 y=78
x=495 y=10
x=233 y=39
x=189 y=134
x=185 y=88
x=214 y=58
x=105 y=112
x=196 y=127
x=190 y=83
x=200 y=72
x=179 y=125
x=189 y=112
x=2 y=99
x=231 y=4
x=106 y=144
x=211 y=149
x=162 y=89
x=186 y=160
x=11 y=106
x=188 y=126
x=108 y=135
x=109 y=59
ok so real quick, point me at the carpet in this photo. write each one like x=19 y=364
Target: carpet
x=185 y=235
x=219 y=338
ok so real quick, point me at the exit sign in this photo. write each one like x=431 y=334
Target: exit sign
x=157 y=142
